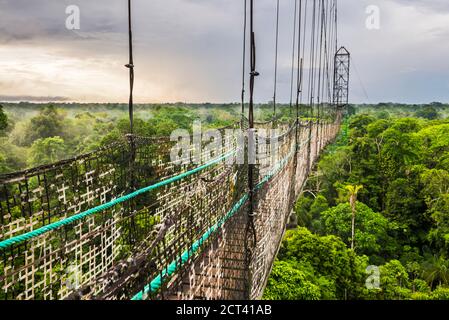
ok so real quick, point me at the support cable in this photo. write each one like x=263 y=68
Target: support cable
x=276 y=60
x=298 y=76
x=293 y=56
x=244 y=56
x=250 y=227
x=303 y=54
x=320 y=76
x=130 y=66
x=312 y=61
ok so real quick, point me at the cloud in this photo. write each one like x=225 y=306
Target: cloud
x=411 y=37
x=32 y=99
x=426 y=5
x=190 y=50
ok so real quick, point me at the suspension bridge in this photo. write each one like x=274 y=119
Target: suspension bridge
x=126 y=222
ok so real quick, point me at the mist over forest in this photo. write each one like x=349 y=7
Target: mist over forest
x=34 y=134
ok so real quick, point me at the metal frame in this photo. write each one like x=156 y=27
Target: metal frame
x=341 y=78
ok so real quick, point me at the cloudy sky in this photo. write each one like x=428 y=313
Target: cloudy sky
x=190 y=50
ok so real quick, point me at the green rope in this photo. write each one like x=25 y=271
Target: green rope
x=56 y=225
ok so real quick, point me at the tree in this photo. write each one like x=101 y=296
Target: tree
x=371 y=234
x=46 y=151
x=432 y=143
x=353 y=191
x=318 y=206
x=302 y=210
x=403 y=165
x=168 y=119
x=436 y=194
x=12 y=158
x=49 y=123
x=327 y=256
x=308 y=210
x=333 y=167
x=404 y=206
x=400 y=149
x=3 y=119
x=394 y=281
x=359 y=123
x=436 y=270
x=122 y=128
x=383 y=115
x=3 y=164
x=428 y=112
x=289 y=283
x=440 y=293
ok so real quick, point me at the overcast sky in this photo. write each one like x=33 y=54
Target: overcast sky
x=190 y=50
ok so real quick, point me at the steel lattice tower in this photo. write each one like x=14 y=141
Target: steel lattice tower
x=341 y=78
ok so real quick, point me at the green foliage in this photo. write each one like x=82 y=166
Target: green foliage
x=359 y=123
x=433 y=145
x=289 y=283
x=428 y=112
x=319 y=205
x=169 y=119
x=12 y=157
x=404 y=206
x=383 y=115
x=388 y=157
x=3 y=119
x=394 y=282
x=371 y=232
x=49 y=123
x=308 y=210
x=45 y=151
x=436 y=270
x=401 y=216
x=86 y=127
x=122 y=128
x=436 y=194
x=302 y=210
x=332 y=168
x=328 y=256
x=440 y=293
x=419 y=285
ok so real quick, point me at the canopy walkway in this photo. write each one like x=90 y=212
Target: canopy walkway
x=76 y=229
x=126 y=222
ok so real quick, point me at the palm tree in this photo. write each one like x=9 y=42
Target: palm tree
x=353 y=191
x=436 y=270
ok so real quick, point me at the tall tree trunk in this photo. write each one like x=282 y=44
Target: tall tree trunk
x=353 y=229
x=352 y=201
